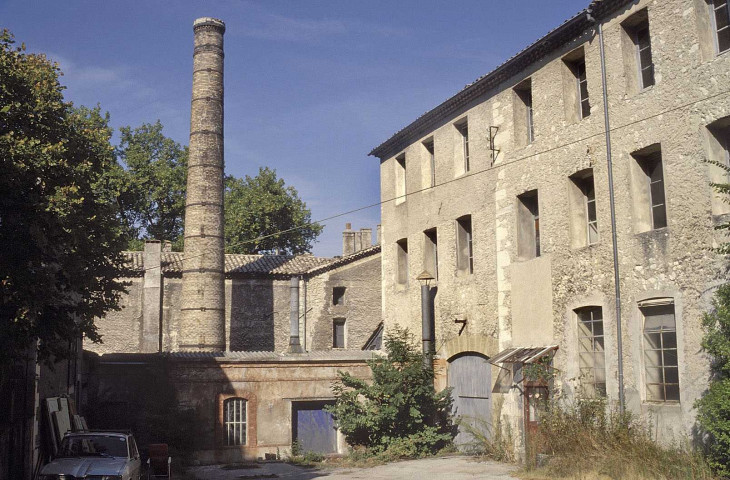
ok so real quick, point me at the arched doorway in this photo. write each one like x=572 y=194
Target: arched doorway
x=470 y=376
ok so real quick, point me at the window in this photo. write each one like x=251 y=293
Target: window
x=463 y=129
x=402 y=246
x=524 y=131
x=528 y=218
x=431 y=181
x=583 y=209
x=591 y=356
x=431 y=252
x=637 y=51
x=719 y=156
x=660 y=351
x=400 y=179
x=651 y=165
x=721 y=24
x=234 y=421
x=338 y=333
x=338 y=296
x=576 y=89
x=464 y=248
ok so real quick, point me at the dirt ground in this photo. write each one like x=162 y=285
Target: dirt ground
x=452 y=468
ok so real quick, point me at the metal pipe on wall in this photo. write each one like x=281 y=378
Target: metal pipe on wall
x=426 y=326
x=612 y=203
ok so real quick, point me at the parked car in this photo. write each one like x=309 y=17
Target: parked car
x=95 y=456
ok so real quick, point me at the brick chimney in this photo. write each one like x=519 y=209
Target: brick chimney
x=202 y=312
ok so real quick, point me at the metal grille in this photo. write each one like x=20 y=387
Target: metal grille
x=234 y=421
x=592 y=357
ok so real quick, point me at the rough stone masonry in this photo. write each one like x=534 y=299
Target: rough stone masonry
x=203 y=293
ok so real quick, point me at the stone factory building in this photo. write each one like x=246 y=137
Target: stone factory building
x=231 y=356
x=516 y=193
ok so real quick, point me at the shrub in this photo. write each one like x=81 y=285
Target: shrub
x=399 y=412
x=713 y=409
x=585 y=438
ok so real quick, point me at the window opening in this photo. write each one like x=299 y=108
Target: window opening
x=529 y=225
x=721 y=21
x=338 y=333
x=400 y=178
x=660 y=353
x=465 y=250
x=234 y=421
x=589 y=193
x=464 y=130
x=580 y=75
x=652 y=165
x=591 y=357
x=643 y=49
x=430 y=252
x=402 y=246
x=338 y=296
x=431 y=161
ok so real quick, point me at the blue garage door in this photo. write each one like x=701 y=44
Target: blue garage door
x=470 y=375
x=313 y=429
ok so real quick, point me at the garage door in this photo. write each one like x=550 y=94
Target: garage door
x=470 y=376
x=313 y=429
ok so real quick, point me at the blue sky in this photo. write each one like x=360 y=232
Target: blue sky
x=311 y=86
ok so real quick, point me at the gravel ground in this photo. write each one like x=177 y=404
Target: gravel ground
x=451 y=468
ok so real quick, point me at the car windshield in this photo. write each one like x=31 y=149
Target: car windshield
x=93 y=446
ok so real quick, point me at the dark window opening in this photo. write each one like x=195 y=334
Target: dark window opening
x=431 y=252
x=465 y=249
x=402 y=246
x=338 y=333
x=338 y=296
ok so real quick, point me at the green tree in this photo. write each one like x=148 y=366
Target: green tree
x=257 y=208
x=399 y=410
x=61 y=241
x=152 y=184
x=713 y=409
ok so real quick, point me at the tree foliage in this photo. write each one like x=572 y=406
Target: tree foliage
x=153 y=180
x=713 y=409
x=400 y=408
x=258 y=208
x=61 y=240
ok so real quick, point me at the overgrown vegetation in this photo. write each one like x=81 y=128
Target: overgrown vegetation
x=493 y=441
x=584 y=439
x=398 y=414
x=713 y=409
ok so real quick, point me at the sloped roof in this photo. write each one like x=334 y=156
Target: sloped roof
x=254 y=265
x=569 y=30
x=258 y=357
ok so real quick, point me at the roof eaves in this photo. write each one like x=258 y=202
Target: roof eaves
x=557 y=37
x=338 y=262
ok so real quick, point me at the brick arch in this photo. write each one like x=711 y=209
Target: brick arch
x=483 y=344
x=251 y=410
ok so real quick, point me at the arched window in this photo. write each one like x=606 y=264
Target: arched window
x=234 y=421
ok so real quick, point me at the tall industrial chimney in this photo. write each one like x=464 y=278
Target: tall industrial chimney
x=202 y=316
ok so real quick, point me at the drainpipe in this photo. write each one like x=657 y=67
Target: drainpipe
x=294 y=345
x=612 y=203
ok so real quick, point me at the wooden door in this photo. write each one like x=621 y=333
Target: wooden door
x=470 y=376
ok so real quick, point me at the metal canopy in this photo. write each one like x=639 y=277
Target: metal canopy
x=522 y=354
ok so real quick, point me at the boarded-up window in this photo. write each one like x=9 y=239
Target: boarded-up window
x=660 y=351
x=234 y=421
x=338 y=333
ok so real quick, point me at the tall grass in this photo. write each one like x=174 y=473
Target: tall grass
x=584 y=439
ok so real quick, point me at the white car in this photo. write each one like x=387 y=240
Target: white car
x=95 y=456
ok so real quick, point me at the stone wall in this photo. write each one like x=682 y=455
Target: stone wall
x=531 y=301
x=178 y=398
x=361 y=305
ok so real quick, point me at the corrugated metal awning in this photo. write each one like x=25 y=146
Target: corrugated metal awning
x=522 y=354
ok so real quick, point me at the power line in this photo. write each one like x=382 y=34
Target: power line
x=469 y=175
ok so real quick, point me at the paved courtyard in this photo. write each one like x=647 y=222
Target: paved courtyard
x=453 y=468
